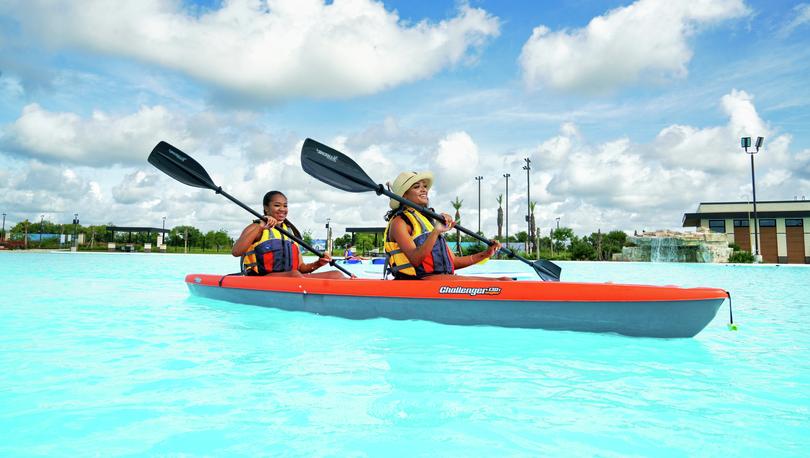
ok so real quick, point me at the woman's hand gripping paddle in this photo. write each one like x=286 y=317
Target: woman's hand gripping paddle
x=336 y=169
x=185 y=169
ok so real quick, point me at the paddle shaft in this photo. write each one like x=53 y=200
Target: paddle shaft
x=218 y=190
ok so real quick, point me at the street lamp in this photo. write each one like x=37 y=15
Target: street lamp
x=478 y=179
x=506 y=175
x=328 y=247
x=527 y=168
x=41 y=221
x=75 y=222
x=552 y=233
x=745 y=142
x=3 y=235
x=163 y=233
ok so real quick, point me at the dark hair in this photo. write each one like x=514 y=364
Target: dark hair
x=392 y=213
x=266 y=201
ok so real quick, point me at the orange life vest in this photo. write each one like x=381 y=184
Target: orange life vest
x=438 y=261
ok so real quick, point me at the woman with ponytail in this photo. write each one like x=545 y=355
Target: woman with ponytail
x=266 y=251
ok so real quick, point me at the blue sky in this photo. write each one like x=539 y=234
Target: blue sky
x=631 y=112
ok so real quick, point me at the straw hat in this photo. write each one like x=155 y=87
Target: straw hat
x=404 y=181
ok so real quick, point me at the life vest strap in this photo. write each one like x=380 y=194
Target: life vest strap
x=399 y=267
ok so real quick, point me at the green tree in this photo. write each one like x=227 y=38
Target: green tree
x=561 y=236
x=582 y=249
x=307 y=236
x=186 y=235
x=612 y=242
x=218 y=239
x=365 y=241
x=500 y=216
x=457 y=205
x=342 y=241
x=95 y=236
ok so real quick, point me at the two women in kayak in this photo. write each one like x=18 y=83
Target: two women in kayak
x=414 y=245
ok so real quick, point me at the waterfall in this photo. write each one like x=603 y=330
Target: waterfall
x=663 y=249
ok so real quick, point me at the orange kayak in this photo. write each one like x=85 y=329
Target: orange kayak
x=633 y=310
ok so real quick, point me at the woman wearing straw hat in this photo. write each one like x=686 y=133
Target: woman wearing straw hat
x=414 y=245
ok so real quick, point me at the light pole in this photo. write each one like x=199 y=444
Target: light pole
x=745 y=142
x=328 y=247
x=3 y=235
x=527 y=168
x=478 y=179
x=552 y=232
x=41 y=221
x=506 y=175
x=75 y=222
x=163 y=233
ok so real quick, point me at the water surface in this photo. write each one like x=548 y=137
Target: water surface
x=107 y=354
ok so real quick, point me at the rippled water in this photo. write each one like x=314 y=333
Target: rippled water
x=107 y=354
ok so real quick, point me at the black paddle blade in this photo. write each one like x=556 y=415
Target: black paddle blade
x=547 y=270
x=334 y=168
x=180 y=166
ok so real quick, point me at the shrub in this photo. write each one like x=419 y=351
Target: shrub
x=741 y=257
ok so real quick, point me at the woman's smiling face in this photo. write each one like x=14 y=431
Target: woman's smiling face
x=277 y=208
x=418 y=193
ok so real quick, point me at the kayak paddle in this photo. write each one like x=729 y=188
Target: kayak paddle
x=336 y=169
x=185 y=169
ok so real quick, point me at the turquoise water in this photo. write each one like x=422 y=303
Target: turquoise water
x=107 y=354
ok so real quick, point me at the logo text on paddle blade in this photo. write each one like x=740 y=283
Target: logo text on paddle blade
x=331 y=157
x=177 y=155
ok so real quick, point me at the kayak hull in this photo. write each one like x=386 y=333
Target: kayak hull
x=633 y=310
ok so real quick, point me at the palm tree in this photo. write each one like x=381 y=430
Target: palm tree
x=532 y=238
x=457 y=205
x=500 y=216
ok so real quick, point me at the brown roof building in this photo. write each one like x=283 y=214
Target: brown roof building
x=784 y=227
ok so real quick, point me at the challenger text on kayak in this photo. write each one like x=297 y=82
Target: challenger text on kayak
x=491 y=291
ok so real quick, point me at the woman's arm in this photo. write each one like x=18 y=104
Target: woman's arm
x=249 y=236
x=466 y=261
x=309 y=268
x=401 y=233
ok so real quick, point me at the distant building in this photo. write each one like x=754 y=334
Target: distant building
x=784 y=227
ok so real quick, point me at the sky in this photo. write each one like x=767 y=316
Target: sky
x=631 y=113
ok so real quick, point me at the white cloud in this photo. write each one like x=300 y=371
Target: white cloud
x=614 y=184
x=801 y=16
x=37 y=188
x=101 y=139
x=647 y=39
x=456 y=152
x=716 y=149
x=136 y=187
x=651 y=185
x=271 y=49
